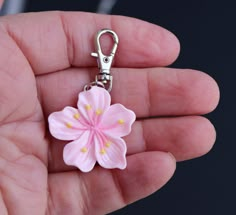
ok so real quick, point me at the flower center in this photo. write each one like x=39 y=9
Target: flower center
x=93 y=128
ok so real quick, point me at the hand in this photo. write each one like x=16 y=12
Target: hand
x=44 y=63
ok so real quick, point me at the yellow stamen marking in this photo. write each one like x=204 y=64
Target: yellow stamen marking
x=84 y=149
x=88 y=107
x=103 y=151
x=121 y=121
x=68 y=125
x=76 y=116
x=98 y=111
x=108 y=144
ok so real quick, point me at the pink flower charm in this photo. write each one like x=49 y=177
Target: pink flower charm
x=95 y=129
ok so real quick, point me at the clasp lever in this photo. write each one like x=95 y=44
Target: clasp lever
x=104 y=61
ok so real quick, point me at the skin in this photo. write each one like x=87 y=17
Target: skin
x=45 y=62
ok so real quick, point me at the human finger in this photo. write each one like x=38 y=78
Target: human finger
x=148 y=92
x=102 y=191
x=185 y=137
x=53 y=41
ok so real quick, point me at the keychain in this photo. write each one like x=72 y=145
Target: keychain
x=95 y=127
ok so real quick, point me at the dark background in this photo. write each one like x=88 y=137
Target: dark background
x=207 y=33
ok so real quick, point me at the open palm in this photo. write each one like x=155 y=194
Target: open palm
x=44 y=63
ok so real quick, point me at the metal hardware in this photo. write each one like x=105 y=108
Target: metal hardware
x=104 y=61
x=92 y=84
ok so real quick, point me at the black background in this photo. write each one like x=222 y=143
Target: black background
x=206 y=30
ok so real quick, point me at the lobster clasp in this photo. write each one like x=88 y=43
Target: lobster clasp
x=104 y=61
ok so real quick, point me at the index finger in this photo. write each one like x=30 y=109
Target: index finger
x=53 y=41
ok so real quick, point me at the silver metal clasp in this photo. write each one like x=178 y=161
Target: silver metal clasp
x=104 y=61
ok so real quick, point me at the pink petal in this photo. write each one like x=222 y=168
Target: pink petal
x=80 y=153
x=93 y=103
x=66 y=124
x=117 y=121
x=110 y=152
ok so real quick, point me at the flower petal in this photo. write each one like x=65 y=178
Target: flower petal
x=93 y=103
x=117 y=121
x=80 y=153
x=66 y=124
x=110 y=152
